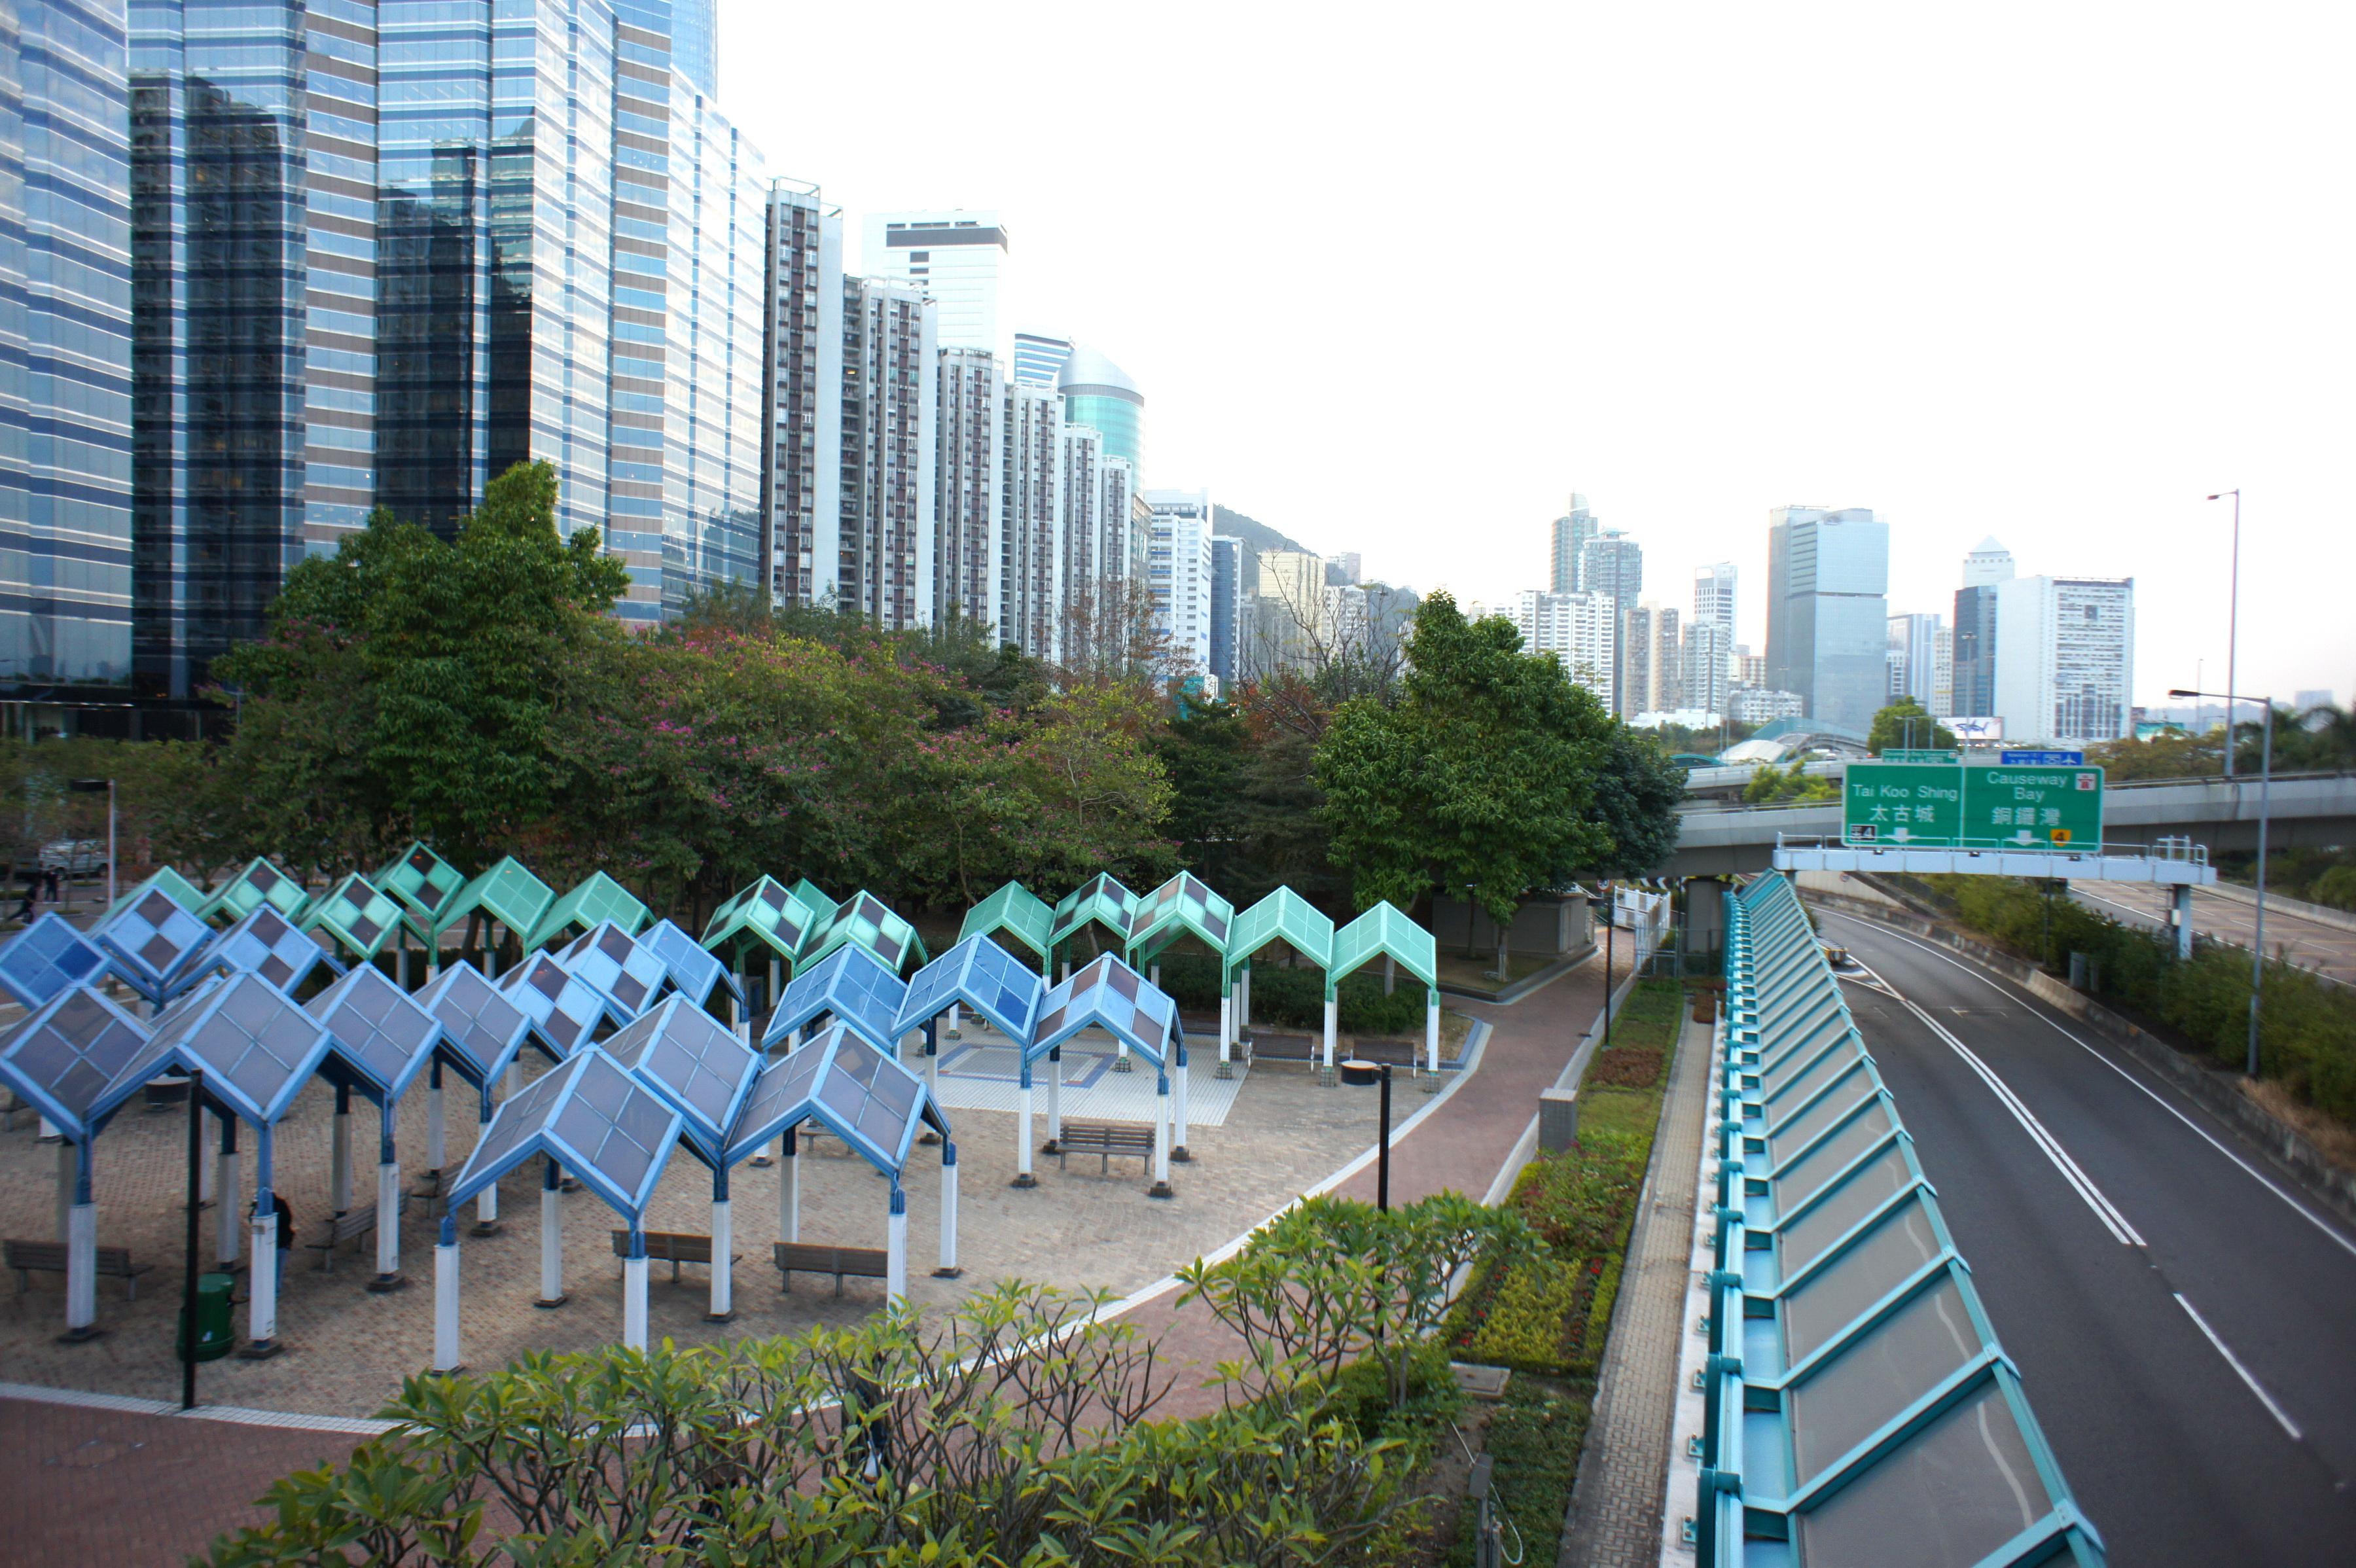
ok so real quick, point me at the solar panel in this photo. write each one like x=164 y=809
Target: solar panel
x=701 y=1068
x=255 y=1045
x=266 y=943
x=851 y=985
x=48 y=958
x=625 y=973
x=481 y=1027
x=155 y=943
x=381 y=1034
x=867 y=1098
x=62 y=1056
x=692 y=970
x=596 y=901
x=564 y=1011
x=1109 y=995
x=593 y=1119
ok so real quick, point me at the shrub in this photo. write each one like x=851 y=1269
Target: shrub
x=1295 y=997
x=2336 y=887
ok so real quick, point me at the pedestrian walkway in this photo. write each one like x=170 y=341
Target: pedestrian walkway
x=1615 y=1510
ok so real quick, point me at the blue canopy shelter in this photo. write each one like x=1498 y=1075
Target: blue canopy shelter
x=851 y=985
x=979 y=973
x=565 y=1010
x=384 y=1039
x=691 y=970
x=591 y=1117
x=154 y=944
x=704 y=1072
x=482 y=1030
x=265 y=942
x=256 y=1050
x=875 y=1106
x=60 y=1060
x=626 y=974
x=47 y=959
x=1110 y=995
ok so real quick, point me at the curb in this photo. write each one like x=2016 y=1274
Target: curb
x=1507 y=995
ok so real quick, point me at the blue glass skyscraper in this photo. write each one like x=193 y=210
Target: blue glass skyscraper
x=65 y=347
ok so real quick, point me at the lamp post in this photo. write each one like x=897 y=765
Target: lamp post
x=2232 y=622
x=92 y=787
x=1358 y=1075
x=2266 y=792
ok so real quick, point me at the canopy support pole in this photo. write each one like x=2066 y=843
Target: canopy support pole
x=204 y=1173
x=789 y=1192
x=634 y=1291
x=69 y=1168
x=1227 y=1024
x=1023 y=1176
x=226 y=1206
x=1332 y=1025
x=388 y=1207
x=339 y=1153
x=445 y=1297
x=948 y=1269
x=1178 y=1110
x=1161 y=1188
x=1432 y=1032
x=932 y=1072
x=895 y=1249
x=1055 y=1100
x=551 y=1237
x=437 y=1125
x=723 y=1238
x=261 y=1302
x=81 y=1250
x=955 y=1018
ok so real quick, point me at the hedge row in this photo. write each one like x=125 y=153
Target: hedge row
x=1295 y=997
x=2307 y=1028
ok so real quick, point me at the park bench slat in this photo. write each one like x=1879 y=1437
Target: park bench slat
x=50 y=1257
x=822 y=1258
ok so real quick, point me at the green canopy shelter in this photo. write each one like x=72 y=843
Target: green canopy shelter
x=1017 y=912
x=509 y=894
x=428 y=886
x=1283 y=916
x=1100 y=900
x=258 y=883
x=360 y=918
x=767 y=918
x=1383 y=932
x=587 y=906
x=172 y=886
x=866 y=920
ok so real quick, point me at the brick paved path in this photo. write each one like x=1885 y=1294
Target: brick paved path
x=1614 y=1519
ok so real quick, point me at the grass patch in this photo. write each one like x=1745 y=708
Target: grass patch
x=1533 y=1439
x=1625 y=1067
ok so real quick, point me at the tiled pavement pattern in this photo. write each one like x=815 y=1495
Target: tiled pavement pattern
x=1615 y=1510
x=172 y=1484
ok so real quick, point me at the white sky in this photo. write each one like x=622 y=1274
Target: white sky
x=1397 y=281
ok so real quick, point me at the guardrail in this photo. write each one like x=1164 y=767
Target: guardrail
x=2174 y=850
x=2110 y=788
x=1858 y=1408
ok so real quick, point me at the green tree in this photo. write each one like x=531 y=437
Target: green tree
x=1636 y=796
x=1893 y=726
x=1482 y=777
x=1789 y=786
x=2171 y=755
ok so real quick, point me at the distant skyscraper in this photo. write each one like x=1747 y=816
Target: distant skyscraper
x=1942 y=674
x=695 y=42
x=1031 y=521
x=1084 y=567
x=1227 y=586
x=2068 y=672
x=1915 y=639
x=1828 y=611
x=955 y=256
x=890 y=402
x=1181 y=570
x=1568 y=559
x=1578 y=629
x=1345 y=569
x=966 y=476
x=1613 y=564
x=1714 y=596
x=1975 y=631
x=1099 y=394
x=65 y=375
x=1706 y=667
x=805 y=381
x=1039 y=357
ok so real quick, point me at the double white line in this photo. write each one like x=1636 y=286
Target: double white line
x=2080 y=1182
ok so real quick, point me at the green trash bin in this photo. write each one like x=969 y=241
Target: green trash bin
x=215 y=1336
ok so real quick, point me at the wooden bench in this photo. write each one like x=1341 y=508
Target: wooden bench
x=673 y=1247
x=818 y=1258
x=1104 y=1139
x=50 y=1257
x=349 y=1226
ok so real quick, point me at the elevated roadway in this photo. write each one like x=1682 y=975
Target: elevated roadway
x=2179 y=1306
x=2327 y=948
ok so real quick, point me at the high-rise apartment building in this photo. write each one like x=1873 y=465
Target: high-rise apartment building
x=1707 y=662
x=1179 y=571
x=1084 y=566
x=1914 y=643
x=1580 y=629
x=804 y=525
x=1039 y=357
x=891 y=366
x=1227 y=590
x=1568 y=559
x=1031 y=521
x=1346 y=569
x=1828 y=611
x=1975 y=630
x=2068 y=669
x=1651 y=661
x=1943 y=673
x=1713 y=597
x=65 y=375
x=1099 y=394
x=967 y=472
x=1612 y=564
x=955 y=256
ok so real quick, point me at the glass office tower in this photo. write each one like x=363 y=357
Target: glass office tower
x=65 y=347
x=1828 y=611
x=1099 y=394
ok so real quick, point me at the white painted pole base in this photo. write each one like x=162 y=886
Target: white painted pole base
x=1178 y=1111
x=1055 y=1103
x=1431 y=1043
x=1333 y=1026
x=895 y=1250
x=262 y=1303
x=486 y=1211
x=723 y=1235
x=82 y=1273
x=1226 y=1033
x=1161 y=1187
x=1023 y=1176
x=956 y=1022
x=339 y=1164
x=446 y=1298
x=551 y=1249
x=511 y=1084
x=634 y=1303
x=789 y=1196
x=388 y=1228
x=948 y=1269
x=227 y=1226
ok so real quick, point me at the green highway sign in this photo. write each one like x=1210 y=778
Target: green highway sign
x=1901 y=754
x=1918 y=805
x=1905 y=803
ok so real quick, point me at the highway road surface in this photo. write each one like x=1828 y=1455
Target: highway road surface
x=2183 y=1314
x=2307 y=944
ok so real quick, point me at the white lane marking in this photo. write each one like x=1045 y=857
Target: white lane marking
x=2104 y=1210
x=2240 y=1371
x=2298 y=1207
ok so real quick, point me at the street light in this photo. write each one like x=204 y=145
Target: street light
x=92 y=787
x=2265 y=791
x=1358 y=1075
x=2232 y=622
